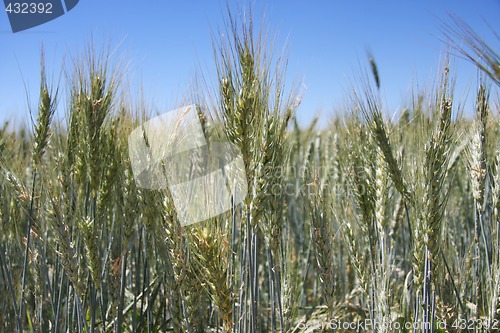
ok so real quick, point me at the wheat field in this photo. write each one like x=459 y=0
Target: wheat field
x=370 y=224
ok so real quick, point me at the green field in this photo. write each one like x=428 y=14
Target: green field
x=393 y=221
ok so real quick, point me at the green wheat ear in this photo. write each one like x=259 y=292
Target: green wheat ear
x=46 y=110
x=461 y=37
x=373 y=66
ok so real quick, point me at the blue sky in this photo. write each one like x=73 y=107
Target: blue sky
x=167 y=43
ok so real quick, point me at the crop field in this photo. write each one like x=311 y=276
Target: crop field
x=373 y=223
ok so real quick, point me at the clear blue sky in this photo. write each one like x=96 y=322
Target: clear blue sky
x=166 y=43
